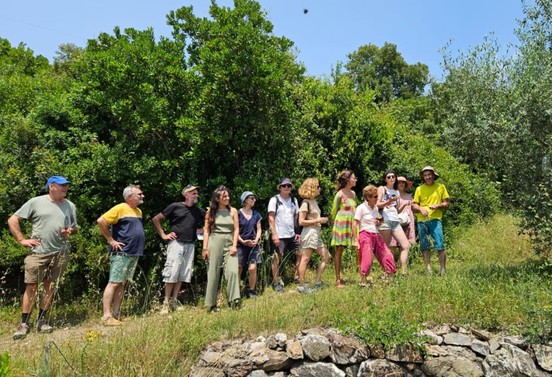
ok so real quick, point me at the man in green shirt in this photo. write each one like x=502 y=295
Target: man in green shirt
x=53 y=220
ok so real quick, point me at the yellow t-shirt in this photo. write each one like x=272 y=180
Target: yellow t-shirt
x=426 y=195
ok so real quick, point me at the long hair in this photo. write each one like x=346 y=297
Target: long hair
x=214 y=205
x=342 y=179
x=308 y=189
x=396 y=184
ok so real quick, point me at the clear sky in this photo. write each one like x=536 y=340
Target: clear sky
x=325 y=35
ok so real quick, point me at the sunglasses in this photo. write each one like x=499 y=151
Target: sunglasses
x=390 y=177
x=372 y=196
x=286 y=186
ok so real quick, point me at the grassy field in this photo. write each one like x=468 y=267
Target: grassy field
x=493 y=282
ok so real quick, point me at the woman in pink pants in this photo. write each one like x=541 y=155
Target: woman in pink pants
x=370 y=242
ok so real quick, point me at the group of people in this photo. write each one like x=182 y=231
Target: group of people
x=231 y=237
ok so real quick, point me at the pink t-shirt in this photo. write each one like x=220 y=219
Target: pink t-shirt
x=367 y=217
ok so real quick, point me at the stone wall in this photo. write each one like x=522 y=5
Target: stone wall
x=449 y=351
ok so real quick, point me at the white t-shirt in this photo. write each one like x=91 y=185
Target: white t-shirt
x=390 y=212
x=367 y=217
x=285 y=215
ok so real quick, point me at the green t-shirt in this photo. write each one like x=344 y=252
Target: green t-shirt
x=48 y=219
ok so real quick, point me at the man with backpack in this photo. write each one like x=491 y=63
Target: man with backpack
x=283 y=211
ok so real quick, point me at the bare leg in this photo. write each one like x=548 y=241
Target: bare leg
x=401 y=239
x=27 y=302
x=276 y=267
x=325 y=255
x=304 y=262
x=112 y=293
x=252 y=275
x=169 y=288
x=442 y=260
x=298 y=260
x=337 y=264
x=427 y=263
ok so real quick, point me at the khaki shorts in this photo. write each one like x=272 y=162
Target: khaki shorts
x=180 y=262
x=45 y=267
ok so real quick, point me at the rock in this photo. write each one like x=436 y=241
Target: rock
x=347 y=350
x=259 y=356
x=462 y=330
x=380 y=367
x=276 y=360
x=433 y=350
x=281 y=340
x=442 y=330
x=252 y=347
x=479 y=347
x=377 y=351
x=308 y=369
x=257 y=373
x=461 y=352
x=452 y=366
x=482 y=335
x=206 y=372
x=457 y=339
x=493 y=345
x=315 y=347
x=351 y=370
x=454 y=328
x=431 y=337
x=517 y=341
x=210 y=358
x=405 y=353
x=543 y=354
x=509 y=361
x=294 y=350
x=277 y=374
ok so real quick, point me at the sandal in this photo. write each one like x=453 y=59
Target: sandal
x=339 y=284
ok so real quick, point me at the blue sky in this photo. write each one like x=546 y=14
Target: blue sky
x=325 y=35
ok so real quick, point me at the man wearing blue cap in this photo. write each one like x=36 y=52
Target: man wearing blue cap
x=53 y=219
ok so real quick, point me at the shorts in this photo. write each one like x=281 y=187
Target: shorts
x=45 y=266
x=122 y=267
x=390 y=225
x=179 y=265
x=311 y=238
x=286 y=244
x=249 y=255
x=433 y=229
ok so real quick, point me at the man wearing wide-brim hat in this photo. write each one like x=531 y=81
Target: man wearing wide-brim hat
x=430 y=199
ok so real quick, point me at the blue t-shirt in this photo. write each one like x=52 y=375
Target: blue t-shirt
x=248 y=228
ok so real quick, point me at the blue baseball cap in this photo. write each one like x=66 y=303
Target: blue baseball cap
x=245 y=195
x=56 y=179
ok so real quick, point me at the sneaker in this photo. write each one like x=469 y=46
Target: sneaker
x=165 y=309
x=251 y=293
x=110 y=322
x=278 y=287
x=318 y=285
x=429 y=270
x=176 y=305
x=22 y=331
x=304 y=289
x=443 y=271
x=44 y=328
x=235 y=304
x=214 y=309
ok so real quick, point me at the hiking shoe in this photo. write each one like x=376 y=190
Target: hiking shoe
x=44 y=328
x=251 y=293
x=278 y=287
x=304 y=289
x=176 y=305
x=235 y=304
x=110 y=322
x=214 y=309
x=22 y=331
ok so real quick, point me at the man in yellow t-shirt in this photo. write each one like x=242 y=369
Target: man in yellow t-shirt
x=429 y=201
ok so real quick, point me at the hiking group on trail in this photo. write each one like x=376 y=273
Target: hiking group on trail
x=230 y=237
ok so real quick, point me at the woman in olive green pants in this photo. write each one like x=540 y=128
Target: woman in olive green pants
x=220 y=242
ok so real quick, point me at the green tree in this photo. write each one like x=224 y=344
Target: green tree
x=385 y=71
